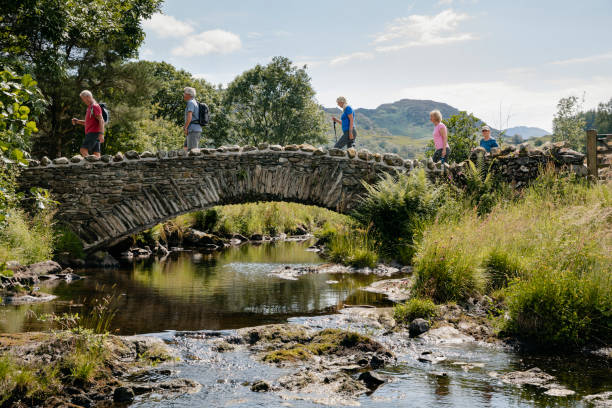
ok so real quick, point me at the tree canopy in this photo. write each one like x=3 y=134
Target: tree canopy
x=68 y=46
x=569 y=124
x=274 y=103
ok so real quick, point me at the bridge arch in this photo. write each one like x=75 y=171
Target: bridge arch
x=106 y=199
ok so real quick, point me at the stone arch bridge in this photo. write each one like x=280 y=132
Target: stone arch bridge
x=106 y=199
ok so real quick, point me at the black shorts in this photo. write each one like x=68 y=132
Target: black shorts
x=91 y=142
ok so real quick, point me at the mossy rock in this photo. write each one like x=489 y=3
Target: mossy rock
x=275 y=333
x=294 y=354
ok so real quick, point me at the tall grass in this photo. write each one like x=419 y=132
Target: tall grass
x=353 y=247
x=27 y=239
x=552 y=249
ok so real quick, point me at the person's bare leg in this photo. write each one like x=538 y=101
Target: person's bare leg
x=84 y=152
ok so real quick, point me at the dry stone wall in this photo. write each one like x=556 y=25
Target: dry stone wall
x=106 y=199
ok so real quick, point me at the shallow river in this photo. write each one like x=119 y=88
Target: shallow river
x=229 y=290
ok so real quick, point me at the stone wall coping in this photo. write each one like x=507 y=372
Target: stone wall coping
x=205 y=154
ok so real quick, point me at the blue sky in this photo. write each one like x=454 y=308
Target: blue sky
x=508 y=62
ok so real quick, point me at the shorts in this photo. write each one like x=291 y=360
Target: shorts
x=192 y=141
x=91 y=142
x=438 y=155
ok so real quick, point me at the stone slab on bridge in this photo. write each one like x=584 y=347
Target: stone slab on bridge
x=106 y=199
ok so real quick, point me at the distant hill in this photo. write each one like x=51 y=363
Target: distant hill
x=406 y=117
x=526 y=132
x=403 y=127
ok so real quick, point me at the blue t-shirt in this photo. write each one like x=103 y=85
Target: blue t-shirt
x=192 y=106
x=345 y=119
x=488 y=144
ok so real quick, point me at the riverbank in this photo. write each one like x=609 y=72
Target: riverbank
x=82 y=369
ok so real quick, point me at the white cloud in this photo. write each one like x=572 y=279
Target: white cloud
x=209 y=42
x=583 y=60
x=420 y=30
x=146 y=53
x=445 y=2
x=167 y=26
x=343 y=59
x=254 y=35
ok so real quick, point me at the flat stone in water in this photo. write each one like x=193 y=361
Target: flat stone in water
x=559 y=392
x=447 y=335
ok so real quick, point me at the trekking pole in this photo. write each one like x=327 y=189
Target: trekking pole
x=335 y=134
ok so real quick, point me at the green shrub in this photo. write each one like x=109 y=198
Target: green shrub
x=326 y=233
x=397 y=208
x=562 y=309
x=26 y=239
x=415 y=308
x=354 y=248
x=447 y=276
x=206 y=220
x=68 y=241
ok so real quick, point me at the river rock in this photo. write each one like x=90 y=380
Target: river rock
x=601 y=400
x=397 y=290
x=418 y=327
x=260 y=386
x=239 y=237
x=559 y=392
x=372 y=380
x=533 y=376
x=445 y=334
x=431 y=357
x=44 y=268
x=201 y=239
x=161 y=250
x=123 y=395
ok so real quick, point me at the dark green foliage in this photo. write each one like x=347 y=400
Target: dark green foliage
x=207 y=220
x=67 y=241
x=415 y=308
x=482 y=190
x=68 y=46
x=397 y=208
x=274 y=104
x=21 y=102
x=168 y=99
x=600 y=118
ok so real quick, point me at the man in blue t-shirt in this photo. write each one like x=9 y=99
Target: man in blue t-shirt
x=486 y=140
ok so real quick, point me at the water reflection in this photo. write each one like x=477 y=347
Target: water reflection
x=193 y=291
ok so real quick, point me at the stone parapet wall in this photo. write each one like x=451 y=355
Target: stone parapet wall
x=108 y=198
